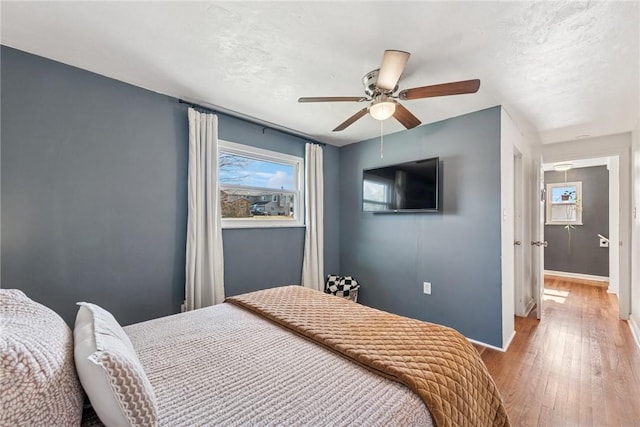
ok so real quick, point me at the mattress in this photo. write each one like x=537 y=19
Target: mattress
x=223 y=365
x=434 y=361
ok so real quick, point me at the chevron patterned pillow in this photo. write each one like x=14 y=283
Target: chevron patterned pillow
x=110 y=371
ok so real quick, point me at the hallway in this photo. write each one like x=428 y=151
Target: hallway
x=578 y=366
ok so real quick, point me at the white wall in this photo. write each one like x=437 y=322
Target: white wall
x=610 y=145
x=508 y=132
x=635 y=228
x=514 y=300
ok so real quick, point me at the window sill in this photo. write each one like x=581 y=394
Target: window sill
x=231 y=224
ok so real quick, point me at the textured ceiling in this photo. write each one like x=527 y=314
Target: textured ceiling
x=563 y=69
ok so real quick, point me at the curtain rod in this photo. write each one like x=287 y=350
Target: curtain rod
x=265 y=125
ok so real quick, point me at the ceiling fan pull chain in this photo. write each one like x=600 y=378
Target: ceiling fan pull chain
x=381 y=139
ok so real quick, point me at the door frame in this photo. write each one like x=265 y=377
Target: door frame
x=614 y=224
x=607 y=146
x=518 y=256
x=613 y=227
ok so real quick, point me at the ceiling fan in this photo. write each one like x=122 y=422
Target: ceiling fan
x=380 y=86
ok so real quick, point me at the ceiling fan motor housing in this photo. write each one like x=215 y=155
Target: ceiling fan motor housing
x=370 y=82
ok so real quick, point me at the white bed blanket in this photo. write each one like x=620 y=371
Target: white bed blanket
x=225 y=366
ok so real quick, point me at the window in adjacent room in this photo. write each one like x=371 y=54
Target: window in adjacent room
x=259 y=188
x=564 y=203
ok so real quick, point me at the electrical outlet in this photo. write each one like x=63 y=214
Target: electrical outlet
x=426 y=288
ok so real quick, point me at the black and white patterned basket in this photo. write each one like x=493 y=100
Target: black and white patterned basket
x=342 y=286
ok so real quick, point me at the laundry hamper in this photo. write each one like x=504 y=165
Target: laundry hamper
x=342 y=286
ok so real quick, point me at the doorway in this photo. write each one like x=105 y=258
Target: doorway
x=594 y=243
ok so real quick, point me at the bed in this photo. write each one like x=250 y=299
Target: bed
x=292 y=356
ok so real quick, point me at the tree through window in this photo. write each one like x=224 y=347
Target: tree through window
x=259 y=187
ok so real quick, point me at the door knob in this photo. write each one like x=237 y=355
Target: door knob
x=517 y=243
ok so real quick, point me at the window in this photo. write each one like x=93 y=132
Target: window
x=259 y=188
x=564 y=203
x=376 y=194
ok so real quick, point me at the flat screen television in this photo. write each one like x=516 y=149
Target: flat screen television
x=404 y=187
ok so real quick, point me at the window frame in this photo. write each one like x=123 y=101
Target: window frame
x=268 y=156
x=577 y=205
x=388 y=185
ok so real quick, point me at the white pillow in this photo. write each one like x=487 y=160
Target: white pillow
x=110 y=371
x=38 y=381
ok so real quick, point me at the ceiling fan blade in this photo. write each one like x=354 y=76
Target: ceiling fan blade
x=444 y=89
x=393 y=63
x=405 y=117
x=332 y=99
x=351 y=120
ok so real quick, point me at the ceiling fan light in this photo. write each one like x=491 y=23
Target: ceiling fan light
x=561 y=167
x=382 y=110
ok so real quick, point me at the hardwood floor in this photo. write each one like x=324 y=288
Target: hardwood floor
x=578 y=366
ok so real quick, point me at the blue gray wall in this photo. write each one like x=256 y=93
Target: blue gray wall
x=585 y=255
x=94 y=195
x=93 y=176
x=457 y=250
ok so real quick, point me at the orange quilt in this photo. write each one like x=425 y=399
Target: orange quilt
x=434 y=361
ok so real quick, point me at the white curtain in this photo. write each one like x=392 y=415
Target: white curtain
x=313 y=262
x=205 y=264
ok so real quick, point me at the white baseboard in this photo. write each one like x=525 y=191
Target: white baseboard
x=493 y=347
x=577 y=276
x=530 y=306
x=634 y=325
x=508 y=343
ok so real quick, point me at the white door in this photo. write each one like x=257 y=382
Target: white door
x=538 y=243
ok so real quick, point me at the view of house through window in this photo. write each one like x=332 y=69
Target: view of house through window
x=258 y=185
